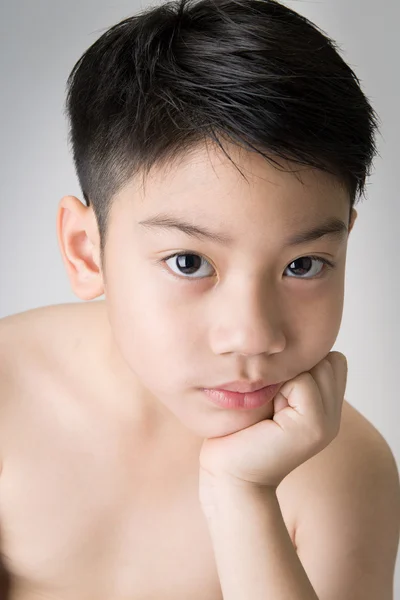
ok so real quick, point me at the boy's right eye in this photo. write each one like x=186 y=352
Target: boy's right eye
x=187 y=263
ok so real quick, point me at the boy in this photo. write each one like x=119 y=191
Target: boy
x=234 y=134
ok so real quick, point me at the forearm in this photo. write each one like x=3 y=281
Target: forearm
x=254 y=554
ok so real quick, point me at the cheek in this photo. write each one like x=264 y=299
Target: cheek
x=155 y=333
x=312 y=312
x=318 y=325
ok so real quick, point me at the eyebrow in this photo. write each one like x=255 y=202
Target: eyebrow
x=331 y=227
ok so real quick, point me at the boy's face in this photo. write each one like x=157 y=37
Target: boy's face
x=251 y=308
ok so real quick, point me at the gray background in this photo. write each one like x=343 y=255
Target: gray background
x=39 y=44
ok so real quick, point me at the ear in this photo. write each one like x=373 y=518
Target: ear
x=79 y=242
x=353 y=218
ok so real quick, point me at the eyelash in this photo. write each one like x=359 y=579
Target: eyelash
x=328 y=264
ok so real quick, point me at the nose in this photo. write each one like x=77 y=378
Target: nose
x=247 y=321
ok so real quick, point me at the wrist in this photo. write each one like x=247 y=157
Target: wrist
x=220 y=491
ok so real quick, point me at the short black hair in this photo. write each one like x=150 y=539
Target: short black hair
x=174 y=76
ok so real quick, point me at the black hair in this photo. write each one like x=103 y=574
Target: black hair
x=158 y=84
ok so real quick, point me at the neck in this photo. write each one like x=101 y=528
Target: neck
x=136 y=404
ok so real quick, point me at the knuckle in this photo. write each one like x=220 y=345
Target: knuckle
x=319 y=434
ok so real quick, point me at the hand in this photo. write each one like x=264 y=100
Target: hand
x=307 y=415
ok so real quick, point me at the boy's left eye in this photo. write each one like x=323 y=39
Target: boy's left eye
x=190 y=263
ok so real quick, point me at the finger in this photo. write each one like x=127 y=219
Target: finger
x=280 y=402
x=323 y=375
x=340 y=370
x=338 y=363
x=303 y=395
x=340 y=367
x=330 y=376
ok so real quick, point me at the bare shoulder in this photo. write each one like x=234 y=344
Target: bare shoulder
x=346 y=512
x=30 y=337
x=45 y=346
x=33 y=325
x=359 y=451
x=359 y=461
x=41 y=352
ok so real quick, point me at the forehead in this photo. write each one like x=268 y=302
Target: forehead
x=205 y=182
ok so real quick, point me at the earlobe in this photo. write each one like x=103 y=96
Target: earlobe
x=79 y=241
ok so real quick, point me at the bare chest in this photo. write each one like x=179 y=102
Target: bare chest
x=86 y=514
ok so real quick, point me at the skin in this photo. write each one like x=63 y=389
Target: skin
x=254 y=553
x=241 y=317
x=102 y=420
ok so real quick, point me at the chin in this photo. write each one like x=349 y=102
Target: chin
x=218 y=423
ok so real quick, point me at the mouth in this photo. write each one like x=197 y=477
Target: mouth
x=244 y=387
x=228 y=399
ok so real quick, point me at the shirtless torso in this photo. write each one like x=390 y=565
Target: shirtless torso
x=88 y=512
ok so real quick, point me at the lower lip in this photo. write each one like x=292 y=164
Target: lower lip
x=237 y=401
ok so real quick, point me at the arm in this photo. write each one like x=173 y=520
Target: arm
x=346 y=537
x=254 y=554
x=351 y=501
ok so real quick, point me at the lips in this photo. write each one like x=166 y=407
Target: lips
x=234 y=400
x=243 y=387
